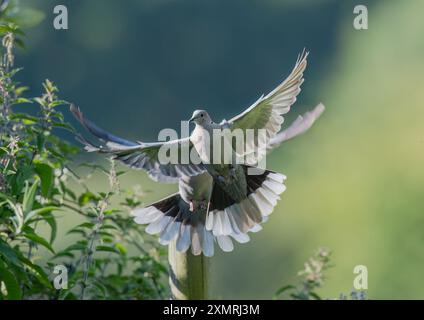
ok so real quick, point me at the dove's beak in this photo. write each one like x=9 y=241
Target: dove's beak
x=191 y=119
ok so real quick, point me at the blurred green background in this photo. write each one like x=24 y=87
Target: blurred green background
x=355 y=180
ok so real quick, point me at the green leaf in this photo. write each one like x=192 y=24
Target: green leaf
x=29 y=196
x=108 y=227
x=314 y=295
x=101 y=288
x=28 y=17
x=12 y=285
x=67 y=295
x=8 y=253
x=107 y=249
x=40 y=101
x=64 y=254
x=49 y=86
x=46 y=174
x=105 y=234
x=110 y=212
x=20 y=43
x=87 y=225
x=40 y=211
x=38 y=271
x=21 y=90
x=63 y=126
x=86 y=197
x=24 y=116
x=121 y=248
x=77 y=231
x=40 y=141
x=79 y=246
x=18 y=220
x=21 y=100
x=24 y=173
x=4 y=28
x=69 y=192
x=283 y=289
x=40 y=240
x=53 y=226
x=6 y=197
x=58 y=103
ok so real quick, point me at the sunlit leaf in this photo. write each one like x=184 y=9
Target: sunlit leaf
x=41 y=275
x=121 y=248
x=86 y=197
x=40 y=240
x=107 y=249
x=46 y=174
x=53 y=227
x=29 y=196
x=40 y=211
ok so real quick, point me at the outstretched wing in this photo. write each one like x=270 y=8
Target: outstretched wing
x=142 y=155
x=266 y=113
x=298 y=127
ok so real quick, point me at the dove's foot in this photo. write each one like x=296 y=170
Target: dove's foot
x=203 y=205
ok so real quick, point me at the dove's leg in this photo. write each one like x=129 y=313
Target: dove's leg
x=198 y=205
x=204 y=204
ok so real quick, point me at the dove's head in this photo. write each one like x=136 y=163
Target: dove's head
x=200 y=117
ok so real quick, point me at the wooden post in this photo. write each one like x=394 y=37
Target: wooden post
x=188 y=274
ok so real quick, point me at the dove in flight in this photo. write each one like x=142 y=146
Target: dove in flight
x=189 y=230
x=229 y=201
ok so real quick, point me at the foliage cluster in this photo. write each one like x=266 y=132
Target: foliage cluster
x=109 y=256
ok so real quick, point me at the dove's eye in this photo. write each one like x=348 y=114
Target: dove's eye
x=201 y=115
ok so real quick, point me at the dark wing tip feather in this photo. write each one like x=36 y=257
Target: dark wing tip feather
x=77 y=113
x=96 y=130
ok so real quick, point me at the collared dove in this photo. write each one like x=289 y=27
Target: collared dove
x=216 y=201
x=194 y=195
x=193 y=190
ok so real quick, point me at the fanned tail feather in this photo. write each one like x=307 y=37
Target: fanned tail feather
x=172 y=220
x=228 y=217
